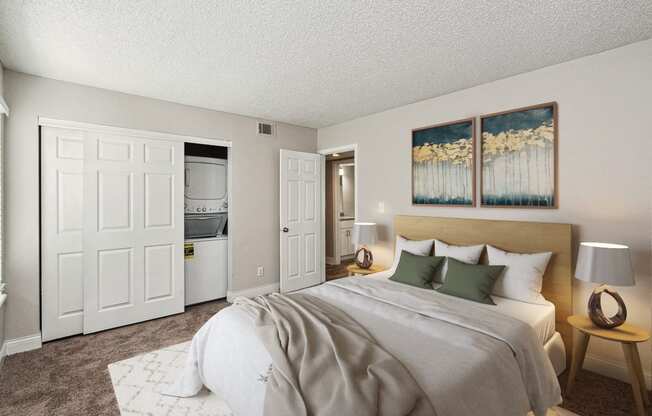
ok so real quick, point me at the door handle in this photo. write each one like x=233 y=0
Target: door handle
x=285 y=229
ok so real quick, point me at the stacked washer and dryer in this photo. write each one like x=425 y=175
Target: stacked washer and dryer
x=206 y=228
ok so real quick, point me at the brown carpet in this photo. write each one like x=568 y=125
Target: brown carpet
x=70 y=376
x=597 y=395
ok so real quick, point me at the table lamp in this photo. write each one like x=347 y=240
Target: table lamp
x=605 y=263
x=364 y=234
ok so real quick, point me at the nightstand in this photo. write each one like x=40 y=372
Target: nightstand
x=628 y=336
x=353 y=270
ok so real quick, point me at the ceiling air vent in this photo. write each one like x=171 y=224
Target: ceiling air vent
x=266 y=129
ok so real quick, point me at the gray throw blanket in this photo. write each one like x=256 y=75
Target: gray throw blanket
x=325 y=363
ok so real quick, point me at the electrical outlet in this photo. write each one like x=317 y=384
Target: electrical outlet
x=260 y=272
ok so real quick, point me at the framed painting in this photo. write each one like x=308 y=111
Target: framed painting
x=443 y=170
x=519 y=158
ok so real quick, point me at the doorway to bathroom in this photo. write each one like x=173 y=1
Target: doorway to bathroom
x=340 y=209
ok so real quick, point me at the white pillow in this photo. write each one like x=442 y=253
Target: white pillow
x=522 y=278
x=465 y=254
x=416 y=247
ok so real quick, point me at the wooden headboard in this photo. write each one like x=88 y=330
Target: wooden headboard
x=516 y=236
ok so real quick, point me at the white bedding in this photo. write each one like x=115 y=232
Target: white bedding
x=226 y=357
x=540 y=317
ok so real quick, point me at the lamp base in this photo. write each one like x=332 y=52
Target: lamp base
x=595 y=308
x=367 y=258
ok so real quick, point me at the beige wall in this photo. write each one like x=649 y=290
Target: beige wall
x=605 y=153
x=255 y=208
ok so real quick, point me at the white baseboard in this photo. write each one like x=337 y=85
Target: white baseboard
x=332 y=261
x=252 y=292
x=28 y=343
x=3 y=344
x=613 y=369
x=3 y=352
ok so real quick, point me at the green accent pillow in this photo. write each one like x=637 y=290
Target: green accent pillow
x=470 y=281
x=416 y=270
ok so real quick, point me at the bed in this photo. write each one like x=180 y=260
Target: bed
x=461 y=355
x=541 y=317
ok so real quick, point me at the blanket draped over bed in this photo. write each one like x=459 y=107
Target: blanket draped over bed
x=468 y=360
x=325 y=363
x=536 y=371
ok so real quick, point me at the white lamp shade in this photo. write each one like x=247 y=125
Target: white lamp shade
x=364 y=233
x=605 y=263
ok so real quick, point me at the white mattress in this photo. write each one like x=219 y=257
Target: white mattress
x=556 y=351
x=540 y=317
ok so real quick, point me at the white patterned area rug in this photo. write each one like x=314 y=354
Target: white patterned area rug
x=139 y=381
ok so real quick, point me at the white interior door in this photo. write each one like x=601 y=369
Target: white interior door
x=301 y=220
x=133 y=230
x=62 y=253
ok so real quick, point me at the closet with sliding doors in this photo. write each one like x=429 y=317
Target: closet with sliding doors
x=112 y=227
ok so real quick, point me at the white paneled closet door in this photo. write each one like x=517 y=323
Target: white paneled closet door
x=62 y=252
x=133 y=230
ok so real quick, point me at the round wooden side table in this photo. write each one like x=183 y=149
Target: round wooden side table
x=628 y=336
x=353 y=270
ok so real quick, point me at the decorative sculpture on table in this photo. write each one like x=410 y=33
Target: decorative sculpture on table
x=364 y=234
x=606 y=264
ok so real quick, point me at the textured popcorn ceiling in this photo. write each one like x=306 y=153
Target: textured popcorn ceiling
x=311 y=63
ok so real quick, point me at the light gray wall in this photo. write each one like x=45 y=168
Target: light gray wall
x=2 y=127
x=255 y=208
x=605 y=154
x=1 y=79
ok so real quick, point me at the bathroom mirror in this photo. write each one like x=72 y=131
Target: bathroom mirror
x=347 y=190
